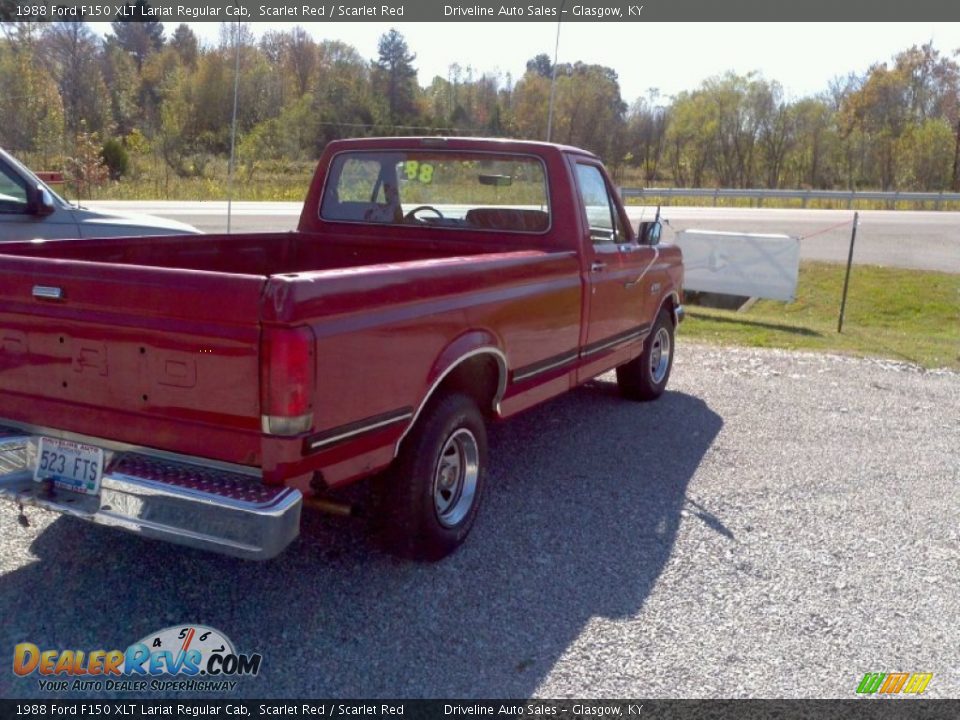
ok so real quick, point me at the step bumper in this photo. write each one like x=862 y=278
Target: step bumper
x=186 y=501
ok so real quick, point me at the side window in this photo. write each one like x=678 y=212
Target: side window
x=601 y=210
x=13 y=193
x=359 y=181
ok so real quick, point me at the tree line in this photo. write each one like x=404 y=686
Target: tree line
x=69 y=98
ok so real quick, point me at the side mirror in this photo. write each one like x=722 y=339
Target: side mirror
x=42 y=201
x=649 y=232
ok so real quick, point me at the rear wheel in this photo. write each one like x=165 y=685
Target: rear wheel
x=428 y=500
x=645 y=377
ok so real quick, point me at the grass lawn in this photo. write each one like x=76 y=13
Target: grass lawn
x=906 y=315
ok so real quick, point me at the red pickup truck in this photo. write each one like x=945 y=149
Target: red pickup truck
x=202 y=389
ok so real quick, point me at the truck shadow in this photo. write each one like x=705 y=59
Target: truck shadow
x=584 y=502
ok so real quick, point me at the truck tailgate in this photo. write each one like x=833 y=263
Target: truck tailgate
x=153 y=357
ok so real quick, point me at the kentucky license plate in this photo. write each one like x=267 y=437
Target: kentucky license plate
x=70 y=465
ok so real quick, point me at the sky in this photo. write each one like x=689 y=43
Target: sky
x=671 y=57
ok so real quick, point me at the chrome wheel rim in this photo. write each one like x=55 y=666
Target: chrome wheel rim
x=660 y=355
x=455 y=478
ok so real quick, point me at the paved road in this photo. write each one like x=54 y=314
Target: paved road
x=711 y=544
x=912 y=239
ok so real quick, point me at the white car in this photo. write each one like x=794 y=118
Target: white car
x=30 y=210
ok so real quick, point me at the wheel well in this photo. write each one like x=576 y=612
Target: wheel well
x=670 y=305
x=477 y=377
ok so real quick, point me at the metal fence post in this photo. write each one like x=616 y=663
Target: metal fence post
x=846 y=279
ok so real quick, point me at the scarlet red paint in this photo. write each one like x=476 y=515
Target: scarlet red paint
x=347 y=322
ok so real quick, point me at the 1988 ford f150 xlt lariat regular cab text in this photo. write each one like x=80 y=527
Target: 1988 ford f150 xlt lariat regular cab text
x=201 y=389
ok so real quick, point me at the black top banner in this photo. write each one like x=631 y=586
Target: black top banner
x=501 y=709
x=637 y=11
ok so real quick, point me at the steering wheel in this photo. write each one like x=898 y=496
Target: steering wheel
x=412 y=215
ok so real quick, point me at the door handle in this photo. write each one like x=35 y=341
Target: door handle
x=597 y=266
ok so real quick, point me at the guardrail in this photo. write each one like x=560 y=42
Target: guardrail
x=759 y=194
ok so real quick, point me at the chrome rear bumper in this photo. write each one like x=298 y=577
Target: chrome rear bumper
x=186 y=502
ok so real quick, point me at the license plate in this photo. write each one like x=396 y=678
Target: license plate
x=70 y=465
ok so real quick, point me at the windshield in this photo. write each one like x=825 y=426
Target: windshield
x=470 y=191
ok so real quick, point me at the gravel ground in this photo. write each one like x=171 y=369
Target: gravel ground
x=777 y=525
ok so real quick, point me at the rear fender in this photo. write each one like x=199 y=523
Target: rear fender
x=470 y=345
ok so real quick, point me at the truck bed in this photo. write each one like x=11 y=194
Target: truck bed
x=158 y=339
x=261 y=254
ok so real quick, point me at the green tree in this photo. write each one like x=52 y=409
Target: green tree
x=115 y=157
x=734 y=109
x=529 y=103
x=284 y=137
x=85 y=169
x=589 y=111
x=70 y=52
x=395 y=77
x=928 y=152
x=776 y=131
x=301 y=59
x=932 y=82
x=465 y=103
x=813 y=159
x=30 y=104
x=541 y=64
x=691 y=139
x=177 y=131
x=123 y=83
x=646 y=134
x=877 y=116
x=137 y=34
x=343 y=100
x=186 y=45
x=884 y=118
x=153 y=81
x=588 y=108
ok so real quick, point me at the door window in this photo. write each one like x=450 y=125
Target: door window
x=601 y=211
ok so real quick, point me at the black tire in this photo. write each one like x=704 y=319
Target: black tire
x=428 y=500
x=646 y=376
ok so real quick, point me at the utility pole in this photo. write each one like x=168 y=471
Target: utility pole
x=955 y=186
x=233 y=131
x=553 y=75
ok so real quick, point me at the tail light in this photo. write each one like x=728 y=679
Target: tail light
x=287 y=380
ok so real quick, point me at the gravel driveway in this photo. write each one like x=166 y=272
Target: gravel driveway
x=777 y=525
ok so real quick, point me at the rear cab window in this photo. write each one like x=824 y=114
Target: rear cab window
x=438 y=189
